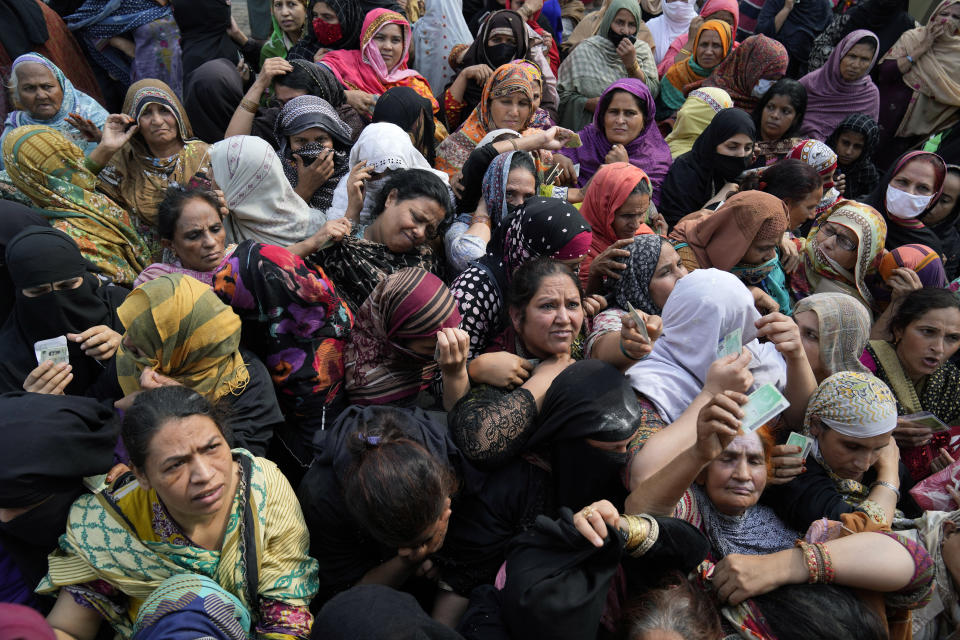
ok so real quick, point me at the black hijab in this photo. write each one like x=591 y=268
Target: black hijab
x=14 y=218
x=557 y=581
x=203 y=33
x=39 y=255
x=349 y=13
x=698 y=174
x=374 y=611
x=888 y=19
x=50 y=443
x=22 y=27
x=590 y=399
x=403 y=107
x=493 y=57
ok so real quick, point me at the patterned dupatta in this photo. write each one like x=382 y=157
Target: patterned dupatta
x=113 y=536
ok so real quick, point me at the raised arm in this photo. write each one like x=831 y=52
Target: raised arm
x=728 y=373
x=718 y=423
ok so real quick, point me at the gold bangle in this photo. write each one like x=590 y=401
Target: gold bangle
x=650 y=539
x=689 y=53
x=249 y=105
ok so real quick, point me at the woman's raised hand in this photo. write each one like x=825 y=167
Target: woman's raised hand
x=610 y=262
x=117 y=131
x=86 y=127
x=453 y=349
x=783 y=332
x=730 y=373
x=593 y=520
x=785 y=465
x=718 y=423
x=272 y=67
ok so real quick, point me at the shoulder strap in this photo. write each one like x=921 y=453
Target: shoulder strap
x=251 y=570
x=899 y=383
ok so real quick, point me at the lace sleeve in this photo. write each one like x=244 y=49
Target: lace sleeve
x=490 y=425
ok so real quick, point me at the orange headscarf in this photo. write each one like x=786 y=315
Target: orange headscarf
x=608 y=190
x=683 y=73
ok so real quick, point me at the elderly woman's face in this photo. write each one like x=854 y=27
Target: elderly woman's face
x=190 y=465
x=38 y=90
x=736 y=478
x=839 y=243
x=158 y=126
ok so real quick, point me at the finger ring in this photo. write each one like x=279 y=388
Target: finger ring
x=587 y=512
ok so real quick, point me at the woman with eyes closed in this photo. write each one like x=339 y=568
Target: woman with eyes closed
x=855 y=462
x=411 y=207
x=721 y=153
x=905 y=193
x=925 y=335
x=58 y=295
x=616 y=206
x=778 y=118
x=834 y=329
x=193 y=236
x=190 y=526
x=742 y=236
x=379 y=64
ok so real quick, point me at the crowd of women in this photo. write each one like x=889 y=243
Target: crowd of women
x=480 y=320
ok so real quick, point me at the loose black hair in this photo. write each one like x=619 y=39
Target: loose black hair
x=415 y=183
x=920 y=302
x=154 y=408
x=299 y=78
x=175 y=198
x=789 y=179
x=822 y=611
x=798 y=98
x=524 y=160
x=396 y=488
x=527 y=279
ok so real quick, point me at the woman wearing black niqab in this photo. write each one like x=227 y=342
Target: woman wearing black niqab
x=700 y=173
x=50 y=443
x=40 y=256
x=14 y=218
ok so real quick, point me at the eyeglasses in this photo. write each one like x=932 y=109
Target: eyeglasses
x=842 y=241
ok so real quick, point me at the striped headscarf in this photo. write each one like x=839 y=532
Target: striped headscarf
x=844 y=328
x=410 y=303
x=184 y=332
x=52 y=172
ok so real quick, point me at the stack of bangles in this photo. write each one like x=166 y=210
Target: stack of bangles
x=641 y=534
x=819 y=566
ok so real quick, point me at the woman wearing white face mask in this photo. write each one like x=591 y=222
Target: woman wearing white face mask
x=671 y=24
x=909 y=189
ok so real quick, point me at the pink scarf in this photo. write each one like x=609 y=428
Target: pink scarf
x=365 y=69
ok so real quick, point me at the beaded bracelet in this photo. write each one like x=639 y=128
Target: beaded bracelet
x=812 y=559
x=828 y=574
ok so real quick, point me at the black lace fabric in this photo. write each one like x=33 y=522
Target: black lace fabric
x=490 y=425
